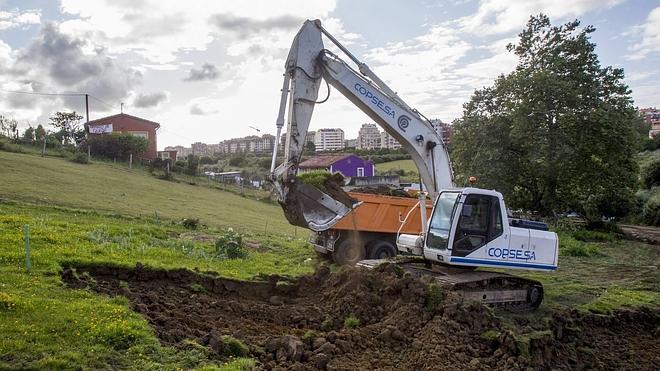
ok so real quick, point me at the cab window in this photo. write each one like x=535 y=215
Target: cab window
x=480 y=222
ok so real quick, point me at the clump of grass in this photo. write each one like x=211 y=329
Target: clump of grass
x=434 y=297
x=569 y=246
x=233 y=347
x=351 y=321
x=80 y=158
x=230 y=245
x=592 y=236
x=309 y=334
x=196 y=287
x=7 y=302
x=190 y=223
x=327 y=323
x=490 y=335
x=316 y=178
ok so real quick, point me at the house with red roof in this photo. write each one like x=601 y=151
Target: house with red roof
x=124 y=123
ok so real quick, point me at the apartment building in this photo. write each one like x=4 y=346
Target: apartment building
x=368 y=137
x=329 y=139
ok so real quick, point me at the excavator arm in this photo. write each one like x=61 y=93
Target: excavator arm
x=307 y=64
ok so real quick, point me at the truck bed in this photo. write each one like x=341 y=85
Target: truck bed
x=379 y=213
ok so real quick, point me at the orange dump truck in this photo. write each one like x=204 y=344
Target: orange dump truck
x=370 y=230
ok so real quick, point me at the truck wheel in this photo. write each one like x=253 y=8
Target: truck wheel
x=382 y=250
x=348 y=253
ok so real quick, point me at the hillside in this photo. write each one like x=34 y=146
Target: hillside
x=114 y=188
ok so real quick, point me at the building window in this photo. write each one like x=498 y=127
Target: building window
x=360 y=171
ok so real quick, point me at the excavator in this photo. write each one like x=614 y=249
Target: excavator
x=468 y=229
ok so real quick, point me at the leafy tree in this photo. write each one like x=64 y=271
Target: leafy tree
x=39 y=132
x=651 y=175
x=555 y=134
x=310 y=147
x=116 y=145
x=28 y=135
x=192 y=165
x=70 y=127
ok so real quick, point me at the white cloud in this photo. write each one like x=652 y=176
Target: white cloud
x=15 y=18
x=159 y=29
x=499 y=16
x=649 y=32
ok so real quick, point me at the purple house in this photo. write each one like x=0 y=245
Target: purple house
x=348 y=165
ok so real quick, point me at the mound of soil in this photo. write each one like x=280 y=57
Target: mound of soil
x=382 y=190
x=302 y=323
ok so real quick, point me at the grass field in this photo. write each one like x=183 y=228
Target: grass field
x=406 y=165
x=104 y=213
x=115 y=188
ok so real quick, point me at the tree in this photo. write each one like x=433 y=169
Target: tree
x=116 y=145
x=28 y=135
x=310 y=147
x=556 y=134
x=39 y=132
x=192 y=165
x=69 y=126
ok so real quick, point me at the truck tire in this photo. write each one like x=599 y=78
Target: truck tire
x=381 y=250
x=348 y=253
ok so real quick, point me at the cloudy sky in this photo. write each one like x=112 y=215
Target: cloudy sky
x=208 y=70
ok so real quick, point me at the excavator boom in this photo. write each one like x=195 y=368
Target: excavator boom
x=307 y=64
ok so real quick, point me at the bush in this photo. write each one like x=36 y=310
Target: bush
x=230 y=245
x=116 y=145
x=593 y=236
x=233 y=347
x=569 y=246
x=651 y=211
x=351 y=321
x=651 y=175
x=190 y=223
x=80 y=158
x=434 y=297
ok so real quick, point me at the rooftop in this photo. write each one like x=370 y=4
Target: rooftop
x=103 y=119
x=323 y=161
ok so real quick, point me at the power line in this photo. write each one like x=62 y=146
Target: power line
x=102 y=102
x=40 y=93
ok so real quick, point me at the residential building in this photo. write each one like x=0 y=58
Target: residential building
x=181 y=151
x=125 y=123
x=652 y=117
x=350 y=143
x=349 y=165
x=329 y=139
x=200 y=149
x=167 y=155
x=368 y=137
x=443 y=129
x=388 y=141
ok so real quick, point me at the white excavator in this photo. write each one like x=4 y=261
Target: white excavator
x=468 y=227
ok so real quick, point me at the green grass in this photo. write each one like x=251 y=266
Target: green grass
x=115 y=188
x=408 y=166
x=47 y=325
x=601 y=276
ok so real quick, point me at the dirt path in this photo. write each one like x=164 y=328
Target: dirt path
x=642 y=232
x=299 y=324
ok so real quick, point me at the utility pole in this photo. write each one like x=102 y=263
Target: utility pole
x=121 y=107
x=87 y=109
x=43 y=150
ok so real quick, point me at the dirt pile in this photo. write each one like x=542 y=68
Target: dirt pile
x=359 y=319
x=382 y=190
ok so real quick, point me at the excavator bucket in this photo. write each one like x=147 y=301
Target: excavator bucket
x=307 y=206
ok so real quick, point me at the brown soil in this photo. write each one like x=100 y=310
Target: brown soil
x=643 y=233
x=299 y=324
x=382 y=190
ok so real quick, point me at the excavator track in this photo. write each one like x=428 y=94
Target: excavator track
x=491 y=288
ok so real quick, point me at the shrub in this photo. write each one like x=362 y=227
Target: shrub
x=569 y=246
x=651 y=174
x=234 y=347
x=230 y=245
x=592 y=236
x=7 y=302
x=351 y=321
x=190 y=223
x=116 y=145
x=80 y=158
x=651 y=211
x=434 y=297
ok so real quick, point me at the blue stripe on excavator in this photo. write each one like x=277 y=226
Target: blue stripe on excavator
x=503 y=264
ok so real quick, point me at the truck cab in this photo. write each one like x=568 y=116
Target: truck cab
x=470 y=227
